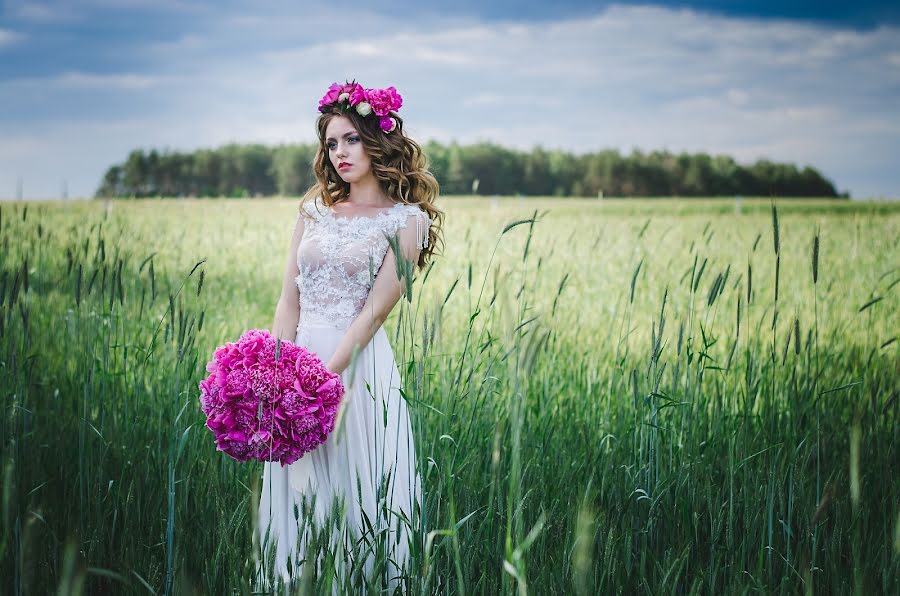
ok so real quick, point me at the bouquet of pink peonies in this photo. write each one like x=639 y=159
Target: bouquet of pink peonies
x=268 y=409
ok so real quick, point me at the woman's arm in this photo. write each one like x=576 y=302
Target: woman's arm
x=385 y=292
x=287 y=312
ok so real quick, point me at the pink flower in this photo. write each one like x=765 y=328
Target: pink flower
x=331 y=96
x=261 y=409
x=384 y=100
x=387 y=123
x=357 y=94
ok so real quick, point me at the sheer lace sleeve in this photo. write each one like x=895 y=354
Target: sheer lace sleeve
x=423 y=227
x=413 y=216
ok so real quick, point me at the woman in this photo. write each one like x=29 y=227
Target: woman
x=340 y=284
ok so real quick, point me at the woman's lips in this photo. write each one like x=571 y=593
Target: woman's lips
x=345 y=166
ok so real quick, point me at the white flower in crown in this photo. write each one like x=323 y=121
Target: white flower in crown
x=363 y=108
x=343 y=97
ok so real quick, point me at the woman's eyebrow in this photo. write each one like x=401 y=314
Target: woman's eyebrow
x=346 y=134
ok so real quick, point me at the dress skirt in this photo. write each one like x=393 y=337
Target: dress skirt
x=368 y=463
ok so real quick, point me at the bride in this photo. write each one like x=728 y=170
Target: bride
x=340 y=284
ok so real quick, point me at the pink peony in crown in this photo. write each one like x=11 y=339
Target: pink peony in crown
x=380 y=102
x=266 y=408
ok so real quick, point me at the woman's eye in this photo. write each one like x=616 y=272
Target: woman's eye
x=354 y=139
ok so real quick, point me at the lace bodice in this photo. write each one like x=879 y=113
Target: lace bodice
x=339 y=257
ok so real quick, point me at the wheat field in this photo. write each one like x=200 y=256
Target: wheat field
x=616 y=396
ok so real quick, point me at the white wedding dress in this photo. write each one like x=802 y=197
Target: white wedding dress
x=338 y=259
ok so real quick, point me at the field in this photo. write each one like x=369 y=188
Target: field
x=610 y=396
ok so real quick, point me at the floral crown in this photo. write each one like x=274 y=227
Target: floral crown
x=366 y=101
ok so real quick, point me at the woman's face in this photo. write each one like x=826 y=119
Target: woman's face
x=345 y=149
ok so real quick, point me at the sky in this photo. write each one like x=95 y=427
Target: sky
x=82 y=83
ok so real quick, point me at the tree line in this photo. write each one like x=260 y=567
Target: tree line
x=239 y=170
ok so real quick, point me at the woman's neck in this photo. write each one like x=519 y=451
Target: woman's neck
x=367 y=193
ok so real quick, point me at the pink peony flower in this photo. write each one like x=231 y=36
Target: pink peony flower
x=331 y=96
x=357 y=94
x=267 y=410
x=387 y=123
x=384 y=100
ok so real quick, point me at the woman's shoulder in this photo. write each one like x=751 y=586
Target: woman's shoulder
x=414 y=210
x=313 y=209
x=402 y=214
x=414 y=218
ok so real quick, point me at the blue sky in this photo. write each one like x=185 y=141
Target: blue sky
x=84 y=82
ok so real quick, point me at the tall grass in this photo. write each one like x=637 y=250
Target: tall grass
x=607 y=397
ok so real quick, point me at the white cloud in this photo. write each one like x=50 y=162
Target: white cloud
x=179 y=5
x=84 y=80
x=628 y=77
x=9 y=37
x=104 y=81
x=39 y=12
